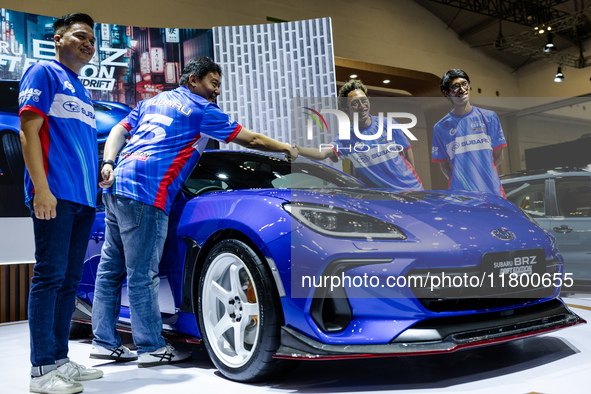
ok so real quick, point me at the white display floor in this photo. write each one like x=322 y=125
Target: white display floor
x=555 y=363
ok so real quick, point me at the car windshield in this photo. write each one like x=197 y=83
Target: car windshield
x=244 y=170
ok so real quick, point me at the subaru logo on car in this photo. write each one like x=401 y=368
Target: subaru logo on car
x=503 y=234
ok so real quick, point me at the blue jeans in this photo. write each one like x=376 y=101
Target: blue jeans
x=60 y=246
x=134 y=240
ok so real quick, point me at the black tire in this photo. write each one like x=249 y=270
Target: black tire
x=4 y=159
x=13 y=152
x=80 y=330
x=237 y=293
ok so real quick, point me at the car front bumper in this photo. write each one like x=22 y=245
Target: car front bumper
x=440 y=335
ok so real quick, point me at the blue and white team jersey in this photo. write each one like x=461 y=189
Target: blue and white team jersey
x=468 y=143
x=168 y=134
x=380 y=162
x=68 y=134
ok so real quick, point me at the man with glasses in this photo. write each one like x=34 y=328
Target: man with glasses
x=468 y=142
x=378 y=163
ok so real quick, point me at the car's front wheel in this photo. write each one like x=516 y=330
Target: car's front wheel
x=239 y=313
x=14 y=158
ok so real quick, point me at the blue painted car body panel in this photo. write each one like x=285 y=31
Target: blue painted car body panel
x=443 y=230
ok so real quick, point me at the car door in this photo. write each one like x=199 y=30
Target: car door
x=572 y=224
x=532 y=196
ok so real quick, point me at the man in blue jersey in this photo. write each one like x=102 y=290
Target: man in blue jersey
x=468 y=142
x=58 y=136
x=378 y=162
x=141 y=179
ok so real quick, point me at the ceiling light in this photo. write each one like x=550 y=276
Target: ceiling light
x=500 y=42
x=559 y=77
x=550 y=47
x=386 y=81
x=353 y=76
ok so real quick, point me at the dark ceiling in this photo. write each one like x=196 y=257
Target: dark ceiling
x=508 y=30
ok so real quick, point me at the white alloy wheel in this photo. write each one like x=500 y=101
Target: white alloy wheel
x=230 y=310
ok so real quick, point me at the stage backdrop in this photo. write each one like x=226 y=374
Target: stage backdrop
x=130 y=63
x=264 y=66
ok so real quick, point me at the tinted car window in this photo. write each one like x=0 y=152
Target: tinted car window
x=232 y=170
x=528 y=196
x=574 y=196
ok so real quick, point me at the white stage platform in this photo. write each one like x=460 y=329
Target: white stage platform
x=555 y=363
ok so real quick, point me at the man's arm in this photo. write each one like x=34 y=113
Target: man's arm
x=44 y=202
x=498 y=156
x=317 y=154
x=113 y=146
x=252 y=140
x=445 y=168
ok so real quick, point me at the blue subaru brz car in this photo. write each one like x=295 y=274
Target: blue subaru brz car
x=268 y=261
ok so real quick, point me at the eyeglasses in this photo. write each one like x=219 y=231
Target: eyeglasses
x=456 y=86
x=358 y=103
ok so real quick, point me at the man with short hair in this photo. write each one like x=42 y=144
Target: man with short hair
x=376 y=162
x=468 y=142
x=58 y=136
x=166 y=134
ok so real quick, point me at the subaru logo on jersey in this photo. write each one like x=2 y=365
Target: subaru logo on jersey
x=71 y=106
x=503 y=234
x=363 y=159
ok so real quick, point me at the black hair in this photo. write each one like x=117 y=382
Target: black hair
x=200 y=66
x=64 y=22
x=347 y=88
x=449 y=76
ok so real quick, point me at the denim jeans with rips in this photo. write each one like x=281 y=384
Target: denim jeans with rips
x=134 y=241
x=60 y=247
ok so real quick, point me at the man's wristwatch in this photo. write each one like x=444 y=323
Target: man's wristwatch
x=111 y=162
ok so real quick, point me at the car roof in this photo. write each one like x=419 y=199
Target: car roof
x=546 y=173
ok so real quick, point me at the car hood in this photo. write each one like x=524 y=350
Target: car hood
x=381 y=200
x=450 y=220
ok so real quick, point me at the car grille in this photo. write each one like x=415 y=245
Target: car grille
x=451 y=298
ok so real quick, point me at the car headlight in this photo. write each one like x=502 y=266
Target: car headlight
x=337 y=222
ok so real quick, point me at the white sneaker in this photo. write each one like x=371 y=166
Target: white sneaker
x=164 y=355
x=118 y=354
x=76 y=371
x=54 y=383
